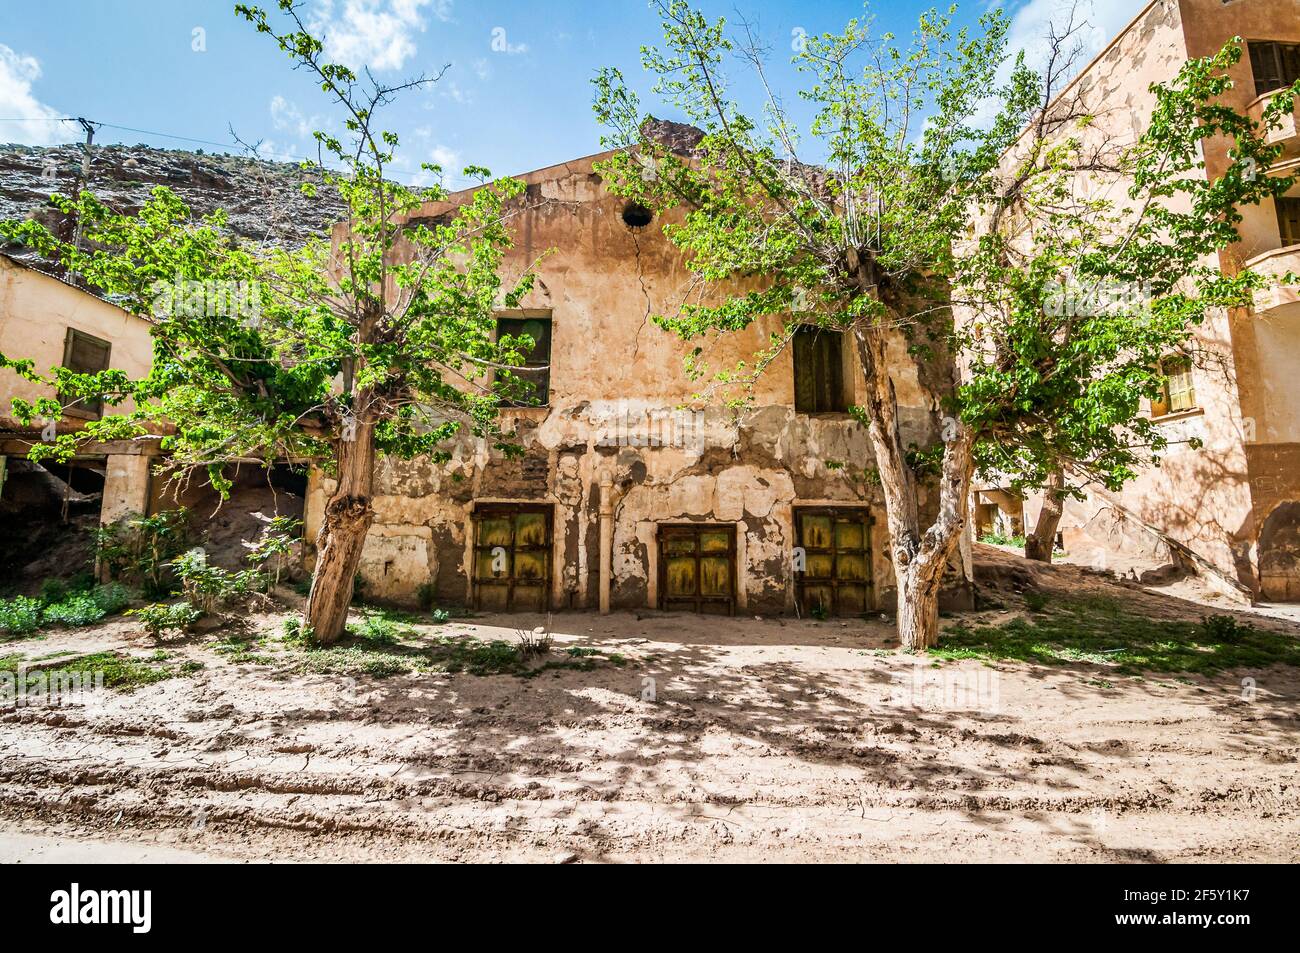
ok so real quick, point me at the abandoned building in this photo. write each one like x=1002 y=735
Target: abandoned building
x=48 y=509
x=631 y=494
x=1230 y=510
x=53 y=322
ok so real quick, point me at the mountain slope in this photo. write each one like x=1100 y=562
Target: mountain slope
x=263 y=199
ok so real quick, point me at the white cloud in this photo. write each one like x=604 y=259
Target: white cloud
x=37 y=125
x=379 y=34
x=446 y=157
x=1100 y=21
x=287 y=116
x=450 y=89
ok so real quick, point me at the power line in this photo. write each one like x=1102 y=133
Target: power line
x=168 y=135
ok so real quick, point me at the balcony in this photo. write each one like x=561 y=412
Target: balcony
x=1289 y=133
x=1276 y=264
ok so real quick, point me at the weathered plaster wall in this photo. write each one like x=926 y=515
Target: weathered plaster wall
x=612 y=371
x=1264 y=341
x=35 y=314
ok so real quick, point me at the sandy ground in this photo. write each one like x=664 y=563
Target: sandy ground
x=771 y=739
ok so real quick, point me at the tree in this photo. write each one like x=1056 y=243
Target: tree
x=326 y=355
x=863 y=242
x=1095 y=262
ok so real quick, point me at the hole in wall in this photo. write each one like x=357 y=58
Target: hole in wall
x=636 y=215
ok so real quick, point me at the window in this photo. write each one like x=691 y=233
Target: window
x=85 y=355
x=537 y=362
x=1275 y=65
x=1288 y=221
x=819 y=371
x=1179 y=394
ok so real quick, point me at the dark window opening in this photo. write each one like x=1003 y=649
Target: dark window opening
x=536 y=373
x=1275 y=65
x=1288 y=221
x=819 y=371
x=636 y=215
x=84 y=354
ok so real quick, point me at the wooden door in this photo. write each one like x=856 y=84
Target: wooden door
x=512 y=558
x=697 y=567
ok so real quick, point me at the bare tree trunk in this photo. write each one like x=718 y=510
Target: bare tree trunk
x=348 y=515
x=1040 y=543
x=919 y=559
x=918 y=611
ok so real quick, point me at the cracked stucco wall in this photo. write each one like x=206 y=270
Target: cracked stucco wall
x=618 y=388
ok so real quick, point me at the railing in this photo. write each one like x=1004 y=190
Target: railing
x=1276 y=264
x=1289 y=133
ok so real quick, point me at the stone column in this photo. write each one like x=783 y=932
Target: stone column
x=606 y=539
x=126 y=487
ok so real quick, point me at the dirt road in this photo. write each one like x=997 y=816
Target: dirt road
x=718 y=739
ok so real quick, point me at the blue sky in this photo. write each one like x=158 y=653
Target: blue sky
x=516 y=95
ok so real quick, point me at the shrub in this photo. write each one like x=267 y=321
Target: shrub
x=1224 y=628
x=77 y=609
x=425 y=594
x=161 y=618
x=376 y=627
x=140 y=549
x=19 y=615
x=275 y=544
x=208 y=587
x=52 y=591
x=295 y=632
x=112 y=597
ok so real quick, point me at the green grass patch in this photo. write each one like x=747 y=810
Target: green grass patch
x=122 y=672
x=1102 y=631
x=998 y=539
x=240 y=651
x=381 y=626
x=375 y=646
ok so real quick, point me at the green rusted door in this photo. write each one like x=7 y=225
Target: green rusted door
x=836 y=561
x=512 y=558
x=697 y=567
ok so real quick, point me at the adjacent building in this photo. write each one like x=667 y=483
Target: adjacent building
x=1230 y=509
x=55 y=323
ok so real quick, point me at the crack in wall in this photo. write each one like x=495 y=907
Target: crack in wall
x=640 y=277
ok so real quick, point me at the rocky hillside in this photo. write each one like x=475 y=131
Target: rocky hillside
x=263 y=199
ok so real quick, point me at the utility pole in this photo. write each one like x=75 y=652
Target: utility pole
x=84 y=179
